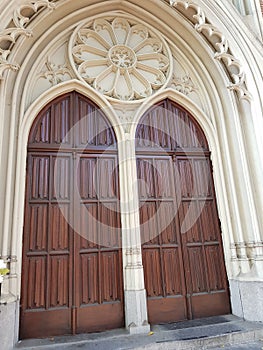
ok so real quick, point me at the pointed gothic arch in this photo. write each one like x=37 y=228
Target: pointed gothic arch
x=183 y=257
x=72 y=259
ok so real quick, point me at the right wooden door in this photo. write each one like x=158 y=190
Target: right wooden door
x=183 y=258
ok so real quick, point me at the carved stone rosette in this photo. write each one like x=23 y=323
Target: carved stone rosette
x=120 y=58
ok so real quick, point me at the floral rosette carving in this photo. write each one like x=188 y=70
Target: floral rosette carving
x=120 y=58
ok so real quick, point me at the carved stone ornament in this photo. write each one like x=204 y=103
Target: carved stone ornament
x=183 y=84
x=120 y=58
x=21 y=18
x=55 y=72
x=194 y=13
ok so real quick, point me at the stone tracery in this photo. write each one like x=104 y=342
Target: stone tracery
x=122 y=59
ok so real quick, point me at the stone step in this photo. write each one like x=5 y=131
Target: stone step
x=206 y=333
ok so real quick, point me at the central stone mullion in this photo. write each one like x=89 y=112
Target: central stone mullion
x=134 y=291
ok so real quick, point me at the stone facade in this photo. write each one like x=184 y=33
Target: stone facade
x=126 y=56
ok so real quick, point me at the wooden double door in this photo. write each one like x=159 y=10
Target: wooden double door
x=183 y=259
x=72 y=260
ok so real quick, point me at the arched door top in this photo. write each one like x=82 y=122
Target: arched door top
x=72 y=121
x=170 y=127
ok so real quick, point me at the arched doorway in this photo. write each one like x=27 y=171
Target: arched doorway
x=185 y=276
x=72 y=261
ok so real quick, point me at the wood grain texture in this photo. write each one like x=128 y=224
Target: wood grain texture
x=184 y=269
x=72 y=261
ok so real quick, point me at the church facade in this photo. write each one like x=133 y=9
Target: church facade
x=131 y=164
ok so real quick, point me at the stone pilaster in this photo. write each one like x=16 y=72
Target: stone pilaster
x=134 y=290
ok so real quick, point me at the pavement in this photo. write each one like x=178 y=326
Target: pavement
x=219 y=332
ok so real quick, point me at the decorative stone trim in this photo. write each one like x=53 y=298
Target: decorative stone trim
x=219 y=44
x=214 y=36
x=183 y=84
x=55 y=73
x=120 y=58
x=133 y=251
x=9 y=36
x=248 y=250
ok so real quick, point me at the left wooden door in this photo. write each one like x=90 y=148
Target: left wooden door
x=72 y=265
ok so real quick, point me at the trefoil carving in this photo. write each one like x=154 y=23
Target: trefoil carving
x=218 y=42
x=8 y=37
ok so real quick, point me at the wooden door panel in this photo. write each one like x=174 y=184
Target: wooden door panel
x=172 y=272
x=101 y=300
x=109 y=225
x=92 y=128
x=183 y=258
x=72 y=280
x=39 y=180
x=106 y=186
x=209 y=304
x=61 y=172
x=153 y=273
x=60 y=281
x=89 y=276
x=149 y=228
x=59 y=231
x=110 y=276
x=202 y=170
x=87 y=217
x=209 y=222
x=215 y=268
x=38 y=229
x=45 y=323
x=97 y=317
x=167 y=223
x=36 y=282
x=167 y=310
x=197 y=271
x=86 y=170
x=188 y=216
x=51 y=129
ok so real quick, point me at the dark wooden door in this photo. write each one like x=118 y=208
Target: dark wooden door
x=183 y=257
x=72 y=264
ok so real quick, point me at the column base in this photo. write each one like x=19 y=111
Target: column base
x=247 y=299
x=8 y=322
x=136 y=318
x=139 y=329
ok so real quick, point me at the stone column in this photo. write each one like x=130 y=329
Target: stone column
x=134 y=291
x=254 y=244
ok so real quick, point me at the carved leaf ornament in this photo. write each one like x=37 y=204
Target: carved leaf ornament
x=193 y=12
x=120 y=58
x=9 y=36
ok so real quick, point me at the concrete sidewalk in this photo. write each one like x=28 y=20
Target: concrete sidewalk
x=220 y=332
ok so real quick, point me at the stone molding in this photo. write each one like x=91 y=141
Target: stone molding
x=248 y=250
x=218 y=42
